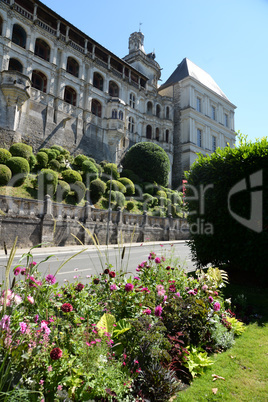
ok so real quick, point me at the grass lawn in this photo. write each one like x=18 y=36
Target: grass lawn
x=245 y=366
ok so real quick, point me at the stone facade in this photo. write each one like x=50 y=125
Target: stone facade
x=59 y=86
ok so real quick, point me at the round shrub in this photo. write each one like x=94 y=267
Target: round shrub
x=71 y=176
x=55 y=165
x=97 y=189
x=47 y=181
x=149 y=200
x=116 y=186
x=42 y=159
x=119 y=198
x=79 y=191
x=5 y=175
x=5 y=155
x=130 y=205
x=18 y=166
x=63 y=190
x=162 y=201
x=79 y=159
x=22 y=150
x=130 y=175
x=52 y=154
x=100 y=169
x=111 y=168
x=149 y=161
x=90 y=170
x=103 y=163
x=130 y=187
x=58 y=148
x=150 y=188
x=175 y=197
x=161 y=194
x=32 y=161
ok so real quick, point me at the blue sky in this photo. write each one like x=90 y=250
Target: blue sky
x=226 y=38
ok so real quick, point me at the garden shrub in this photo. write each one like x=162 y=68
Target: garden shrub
x=63 y=190
x=59 y=148
x=150 y=188
x=42 y=159
x=161 y=194
x=5 y=175
x=103 y=163
x=55 y=165
x=116 y=186
x=79 y=159
x=119 y=198
x=90 y=170
x=79 y=190
x=71 y=176
x=149 y=200
x=111 y=168
x=47 y=182
x=97 y=189
x=100 y=169
x=22 y=150
x=129 y=185
x=5 y=155
x=130 y=205
x=226 y=240
x=149 y=161
x=130 y=175
x=18 y=166
x=32 y=161
x=52 y=154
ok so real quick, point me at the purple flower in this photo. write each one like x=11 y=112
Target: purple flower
x=216 y=306
x=172 y=288
x=147 y=311
x=50 y=279
x=191 y=292
x=157 y=260
x=113 y=287
x=158 y=311
x=210 y=299
x=5 y=322
x=17 y=271
x=178 y=294
x=129 y=287
x=23 y=327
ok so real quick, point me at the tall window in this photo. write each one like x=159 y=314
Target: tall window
x=167 y=135
x=120 y=115
x=213 y=112
x=157 y=134
x=114 y=114
x=72 y=66
x=131 y=124
x=70 y=95
x=113 y=89
x=226 y=120
x=19 y=36
x=42 y=49
x=149 y=108
x=198 y=104
x=15 y=65
x=149 y=132
x=98 y=81
x=158 y=110
x=132 y=100
x=96 y=108
x=199 y=138
x=167 y=112
x=1 y=25
x=214 y=143
x=39 y=81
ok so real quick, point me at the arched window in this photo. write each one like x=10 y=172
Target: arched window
x=19 y=36
x=1 y=25
x=132 y=100
x=72 y=66
x=167 y=112
x=70 y=95
x=96 y=107
x=120 y=115
x=15 y=65
x=157 y=134
x=131 y=124
x=42 y=49
x=167 y=135
x=98 y=81
x=113 y=89
x=149 y=132
x=158 y=110
x=39 y=81
x=149 y=108
x=114 y=114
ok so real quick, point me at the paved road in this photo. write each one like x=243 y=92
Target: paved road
x=92 y=261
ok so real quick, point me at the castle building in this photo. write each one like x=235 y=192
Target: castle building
x=59 y=86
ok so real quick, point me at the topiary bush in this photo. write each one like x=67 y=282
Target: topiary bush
x=79 y=190
x=22 y=150
x=63 y=190
x=129 y=185
x=47 y=182
x=5 y=155
x=130 y=205
x=119 y=198
x=111 y=168
x=116 y=186
x=32 y=161
x=130 y=175
x=55 y=165
x=228 y=221
x=161 y=193
x=149 y=200
x=52 y=154
x=42 y=159
x=20 y=168
x=5 y=175
x=71 y=176
x=97 y=189
x=79 y=159
x=90 y=171
x=149 y=161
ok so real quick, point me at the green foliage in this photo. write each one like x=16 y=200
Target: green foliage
x=129 y=185
x=55 y=165
x=5 y=155
x=42 y=159
x=150 y=188
x=32 y=161
x=149 y=161
x=237 y=327
x=221 y=337
x=130 y=175
x=18 y=166
x=231 y=242
x=106 y=324
x=79 y=191
x=97 y=189
x=79 y=159
x=61 y=150
x=63 y=190
x=116 y=186
x=47 y=181
x=22 y=150
x=5 y=175
x=130 y=205
x=90 y=170
x=111 y=168
x=161 y=194
x=119 y=198
x=71 y=176
x=197 y=360
x=149 y=200
x=52 y=154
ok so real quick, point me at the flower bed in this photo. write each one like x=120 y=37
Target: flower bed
x=113 y=339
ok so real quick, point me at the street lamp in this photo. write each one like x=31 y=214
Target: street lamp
x=119 y=168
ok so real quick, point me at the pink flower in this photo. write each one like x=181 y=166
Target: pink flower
x=66 y=308
x=158 y=311
x=17 y=271
x=205 y=287
x=210 y=299
x=157 y=260
x=112 y=274
x=59 y=387
x=79 y=287
x=17 y=299
x=5 y=322
x=23 y=327
x=49 y=369
x=56 y=353
x=172 y=288
x=113 y=287
x=23 y=270
x=129 y=287
x=30 y=299
x=50 y=279
x=216 y=306
x=147 y=311
x=191 y=292
x=178 y=294
x=165 y=298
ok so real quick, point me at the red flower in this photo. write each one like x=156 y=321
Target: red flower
x=66 y=307
x=96 y=281
x=112 y=274
x=79 y=287
x=56 y=353
x=106 y=271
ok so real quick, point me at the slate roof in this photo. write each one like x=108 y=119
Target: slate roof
x=188 y=69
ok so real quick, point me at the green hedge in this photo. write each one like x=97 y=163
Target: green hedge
x=116 y=186
x=97 y=189
x=71 y=176
x=47 y=182
x=63 y=190
x=42 y=159
x=5 y=175
x=55 y=165
x=5 y=155
x=90 y=170
x=129 y=185
x=22 y=150
x=79 y=159
x=111 y=168
x=218 y=234
x=79 y=190
x=18 y=166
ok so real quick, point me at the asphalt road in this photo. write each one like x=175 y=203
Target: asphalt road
x=92 y=261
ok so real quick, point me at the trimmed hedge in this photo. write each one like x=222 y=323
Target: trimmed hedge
x=55 y=165
x=79 y=159
x=116 y=186
x=130 y=175
x=22 y=150
x=18 y=166
x=97 y=189
x=63 y=190
x=5 y=155
x=90 y=170
x=218 y=233
x=32 y=161
x=5 y=175
x=149 y=161
x=130 y=187
x=111 y=168
x=79 y=190
x=130 y=205
x=42 y=159
x=71 y=176
x=47 y=181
